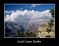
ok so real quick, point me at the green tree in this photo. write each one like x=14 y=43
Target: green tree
x=21 y=34
x=48 y=30
x=32 y=35
x=50 y=23
x=27 y=34
x=52 y=12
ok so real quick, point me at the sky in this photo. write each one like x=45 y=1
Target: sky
x=36 y=7
x=27 y=12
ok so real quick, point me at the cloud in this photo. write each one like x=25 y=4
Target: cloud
x=28 y=16
x=34 y=5
x=7 y=12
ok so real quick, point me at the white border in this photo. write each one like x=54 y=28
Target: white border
x=22 y=4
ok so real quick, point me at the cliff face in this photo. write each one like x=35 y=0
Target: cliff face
x=43 y=26
x=42 y=31
x=13 y=29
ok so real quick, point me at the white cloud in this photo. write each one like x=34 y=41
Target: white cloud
x=34 y=5
x=28 y=16
x=8 y=12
